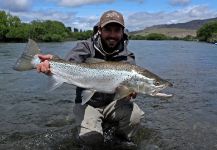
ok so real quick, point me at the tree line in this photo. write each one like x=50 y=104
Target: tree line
x=12 y=29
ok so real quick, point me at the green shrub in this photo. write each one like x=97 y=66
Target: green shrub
x=156 y=36
x=207 y=31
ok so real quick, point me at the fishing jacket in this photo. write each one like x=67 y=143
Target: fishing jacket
x=92 y=48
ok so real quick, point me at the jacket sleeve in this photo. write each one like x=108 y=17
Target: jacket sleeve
x=131 y=58
x=79 y=53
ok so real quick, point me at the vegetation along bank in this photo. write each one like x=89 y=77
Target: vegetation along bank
x=13 y=30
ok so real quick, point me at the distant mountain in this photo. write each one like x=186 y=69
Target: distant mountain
x=194 y=24
x=179 y=29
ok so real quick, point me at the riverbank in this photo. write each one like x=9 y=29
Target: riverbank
x=157 y=38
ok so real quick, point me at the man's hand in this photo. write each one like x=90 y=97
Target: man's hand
x=44 y=66
x=131 y=96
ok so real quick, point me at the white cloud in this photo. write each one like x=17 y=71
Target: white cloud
x=74 y=3
x=134 y=20
x=68 y=18
x=137 y=1
x=179 y=2
x=46 y=15
x=86 y=23
x=141 y=20
x=16 y=5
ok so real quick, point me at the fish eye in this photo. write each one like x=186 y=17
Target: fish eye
x=157 y=83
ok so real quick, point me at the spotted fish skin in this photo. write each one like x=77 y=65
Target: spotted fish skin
x=96 y=76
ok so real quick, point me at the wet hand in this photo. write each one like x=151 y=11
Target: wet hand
x=45 y=57
x=132 y=96
x=44 y=66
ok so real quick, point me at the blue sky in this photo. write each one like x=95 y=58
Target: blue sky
x=138 y=14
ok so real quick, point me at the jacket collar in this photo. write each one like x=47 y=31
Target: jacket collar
x=97 y=44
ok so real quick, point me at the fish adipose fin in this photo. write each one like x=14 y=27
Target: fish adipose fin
x=25 y=61
x=86 y=95
x=122 y=92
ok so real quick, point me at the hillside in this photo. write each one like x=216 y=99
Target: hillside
x=175 y=30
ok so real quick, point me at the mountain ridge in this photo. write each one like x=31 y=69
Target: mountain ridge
x=178 y=29
x=194 y=24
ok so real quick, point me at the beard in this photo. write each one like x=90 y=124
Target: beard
x=110 y=43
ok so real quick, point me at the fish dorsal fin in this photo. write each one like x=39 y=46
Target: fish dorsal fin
x=122 y=91
x=94 y=60
x=86 y=95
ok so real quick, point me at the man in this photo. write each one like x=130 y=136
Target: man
x=110 y=44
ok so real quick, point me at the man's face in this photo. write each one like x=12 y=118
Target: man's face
x=111 y=34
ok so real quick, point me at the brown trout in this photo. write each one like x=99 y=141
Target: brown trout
x=96 y=75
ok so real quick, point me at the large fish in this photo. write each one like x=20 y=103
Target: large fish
x=96 y=75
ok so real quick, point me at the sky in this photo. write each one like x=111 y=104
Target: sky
x=138 y=14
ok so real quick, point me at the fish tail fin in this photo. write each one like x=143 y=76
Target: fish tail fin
x=24 y=62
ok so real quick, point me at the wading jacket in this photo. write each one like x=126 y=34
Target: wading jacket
x=92 y=48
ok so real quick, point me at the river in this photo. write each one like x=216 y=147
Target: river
x=32 y=118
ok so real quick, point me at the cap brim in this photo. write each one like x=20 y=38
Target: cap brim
x=111 y=21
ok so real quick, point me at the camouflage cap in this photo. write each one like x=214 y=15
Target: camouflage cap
x=111 y=16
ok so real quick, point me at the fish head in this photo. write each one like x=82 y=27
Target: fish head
x=159 y=85
x=149 y=83
x=153 y=86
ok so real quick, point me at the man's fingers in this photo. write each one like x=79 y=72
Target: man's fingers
x=44 y=67
x=133 y=95
x=39 y=67
x=45 y=57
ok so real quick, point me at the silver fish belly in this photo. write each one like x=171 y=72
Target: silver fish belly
x=96 y=76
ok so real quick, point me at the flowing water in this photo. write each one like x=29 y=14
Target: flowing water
x=32 y=118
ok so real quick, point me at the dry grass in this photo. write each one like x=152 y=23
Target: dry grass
x=172 y=32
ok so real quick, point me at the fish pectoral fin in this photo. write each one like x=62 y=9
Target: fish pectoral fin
x=94 y=60
x=122 y=92
x=86 y=95
x=54 y=83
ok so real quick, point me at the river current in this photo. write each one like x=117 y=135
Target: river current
x=32 y=118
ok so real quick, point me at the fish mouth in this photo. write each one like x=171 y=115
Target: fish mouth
x=156 y=92
x=159 y=94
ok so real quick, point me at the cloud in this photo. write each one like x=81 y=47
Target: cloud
x=86 y=23
x=75 y=3
x=180 y=2
x=46 y=15
x=134 y=20
x=16 y=5
x=137 y=1
x=141 y=20
x=68 y=18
